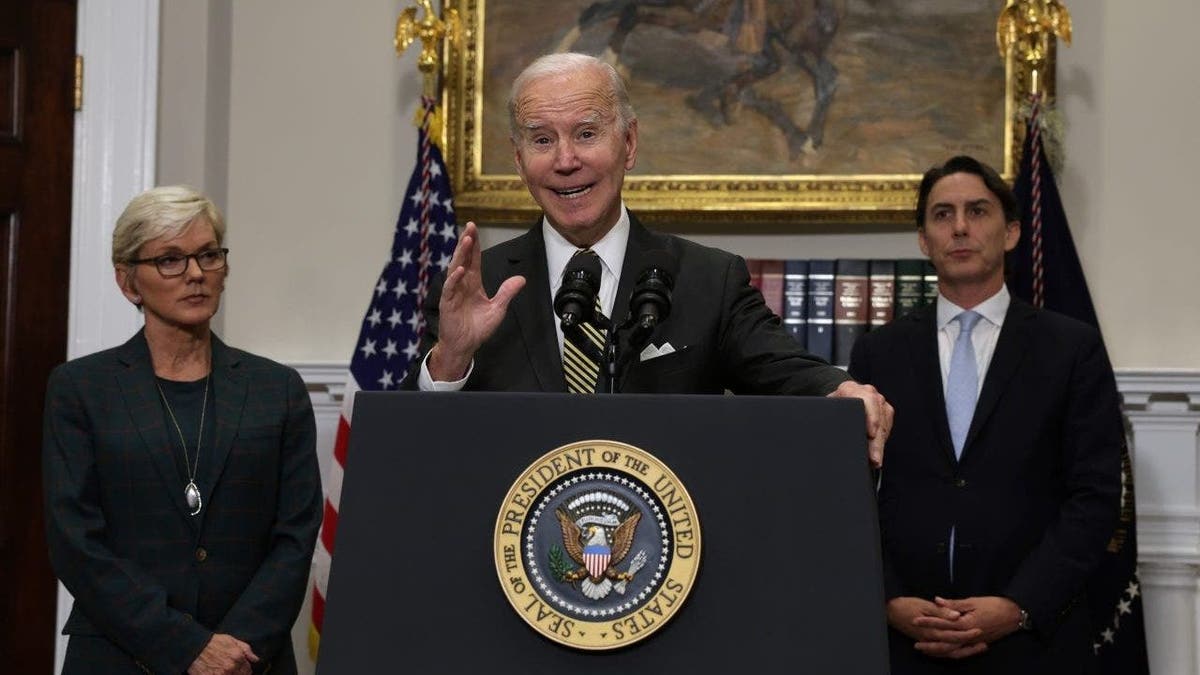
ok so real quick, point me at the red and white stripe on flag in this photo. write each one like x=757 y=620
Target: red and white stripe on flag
x=323 y=555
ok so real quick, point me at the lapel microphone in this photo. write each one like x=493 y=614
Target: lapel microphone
x=575 y=301
x=650 y=302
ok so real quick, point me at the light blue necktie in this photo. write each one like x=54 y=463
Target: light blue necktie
x=962 y=391
x=962 y=384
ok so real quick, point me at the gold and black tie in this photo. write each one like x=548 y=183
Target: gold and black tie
x=583 y=350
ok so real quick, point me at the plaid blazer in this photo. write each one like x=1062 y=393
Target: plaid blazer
x=151 y=582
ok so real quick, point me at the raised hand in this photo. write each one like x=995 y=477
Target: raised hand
x=467 y=316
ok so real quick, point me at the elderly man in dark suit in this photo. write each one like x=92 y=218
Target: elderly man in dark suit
x=574 y=134
x=181 y=482
x=1003 y=477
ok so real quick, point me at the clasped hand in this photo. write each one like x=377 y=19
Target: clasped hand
x=954 y=629
x=224 y=655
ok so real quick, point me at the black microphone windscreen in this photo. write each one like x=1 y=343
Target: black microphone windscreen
x=585 y=262
x=661 y=260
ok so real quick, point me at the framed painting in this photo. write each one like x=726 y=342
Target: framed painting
x=749 y=110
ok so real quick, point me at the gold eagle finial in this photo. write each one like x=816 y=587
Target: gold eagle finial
x=430 y=30
x=1026 y=27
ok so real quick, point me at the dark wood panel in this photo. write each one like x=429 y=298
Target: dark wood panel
x=8 y=258
x=10 y=89
x=35 y=193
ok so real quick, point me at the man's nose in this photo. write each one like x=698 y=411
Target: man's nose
x=960 y=223
x=565 y=157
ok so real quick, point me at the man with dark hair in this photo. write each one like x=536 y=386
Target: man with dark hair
x=1003 y=477
x=966 y=164
x=574 y=135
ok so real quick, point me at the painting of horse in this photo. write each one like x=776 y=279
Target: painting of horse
x=772 y=87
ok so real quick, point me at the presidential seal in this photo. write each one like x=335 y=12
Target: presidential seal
x=597 y=545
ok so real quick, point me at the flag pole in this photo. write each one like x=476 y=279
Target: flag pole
x=1026 y=30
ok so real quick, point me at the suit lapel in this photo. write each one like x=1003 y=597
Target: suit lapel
x=1011 y=347
x=229 y=389
x=142 y=401
x=640 y=241
x=533 y=311
x=923 y=350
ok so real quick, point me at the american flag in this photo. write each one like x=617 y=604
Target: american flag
x=425 y=236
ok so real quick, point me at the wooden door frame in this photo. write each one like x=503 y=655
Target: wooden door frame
x=114 y=159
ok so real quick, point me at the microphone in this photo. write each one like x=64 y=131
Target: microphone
x=575 y=301
x=650 y=302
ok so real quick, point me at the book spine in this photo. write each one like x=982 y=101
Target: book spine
x=820 y=308
x=772 y=285
x=910 y=285
x=931 y=287
x=795 y=300
x=883 y=292
x=851 y=306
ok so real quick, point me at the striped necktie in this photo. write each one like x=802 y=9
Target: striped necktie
x=583 y=350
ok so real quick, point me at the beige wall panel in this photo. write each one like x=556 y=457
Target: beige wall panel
x=320 y=146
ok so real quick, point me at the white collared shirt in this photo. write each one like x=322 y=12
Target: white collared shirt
x=611 y=251
x=983 y=338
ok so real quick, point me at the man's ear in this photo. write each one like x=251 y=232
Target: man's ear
x=921 y=241
x=631 y=138
x=1012 y=235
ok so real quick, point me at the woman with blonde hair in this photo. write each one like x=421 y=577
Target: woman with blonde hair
x=182 y=490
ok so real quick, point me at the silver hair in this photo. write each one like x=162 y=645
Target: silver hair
x=164 y=211
x=563 y=64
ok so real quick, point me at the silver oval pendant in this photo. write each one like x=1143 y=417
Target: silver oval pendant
x=192 y=494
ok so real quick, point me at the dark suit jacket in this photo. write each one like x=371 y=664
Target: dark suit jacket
x=151 y=582
x=1034 y=497
x=724 y=334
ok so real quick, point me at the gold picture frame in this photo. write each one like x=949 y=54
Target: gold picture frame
x=926 y=78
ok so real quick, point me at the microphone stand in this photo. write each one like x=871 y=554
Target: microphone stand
x=616 y=359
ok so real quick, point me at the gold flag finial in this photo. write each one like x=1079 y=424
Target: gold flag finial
x=430 y=30
x=1028 y=26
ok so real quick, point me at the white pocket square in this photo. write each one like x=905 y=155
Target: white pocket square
x=652 y=352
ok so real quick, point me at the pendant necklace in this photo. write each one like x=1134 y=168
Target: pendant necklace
x=190 y=492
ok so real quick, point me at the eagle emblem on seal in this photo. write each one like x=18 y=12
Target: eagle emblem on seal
x=598 y=532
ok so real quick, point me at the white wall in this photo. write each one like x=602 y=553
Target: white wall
x=1131 y=98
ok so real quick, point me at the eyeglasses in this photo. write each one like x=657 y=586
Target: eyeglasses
x=175 y=264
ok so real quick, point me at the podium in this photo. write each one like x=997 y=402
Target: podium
x=789 y=579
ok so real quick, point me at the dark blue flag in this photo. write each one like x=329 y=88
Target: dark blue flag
x=1045 y=271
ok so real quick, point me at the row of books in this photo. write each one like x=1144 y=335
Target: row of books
x=827 y=304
